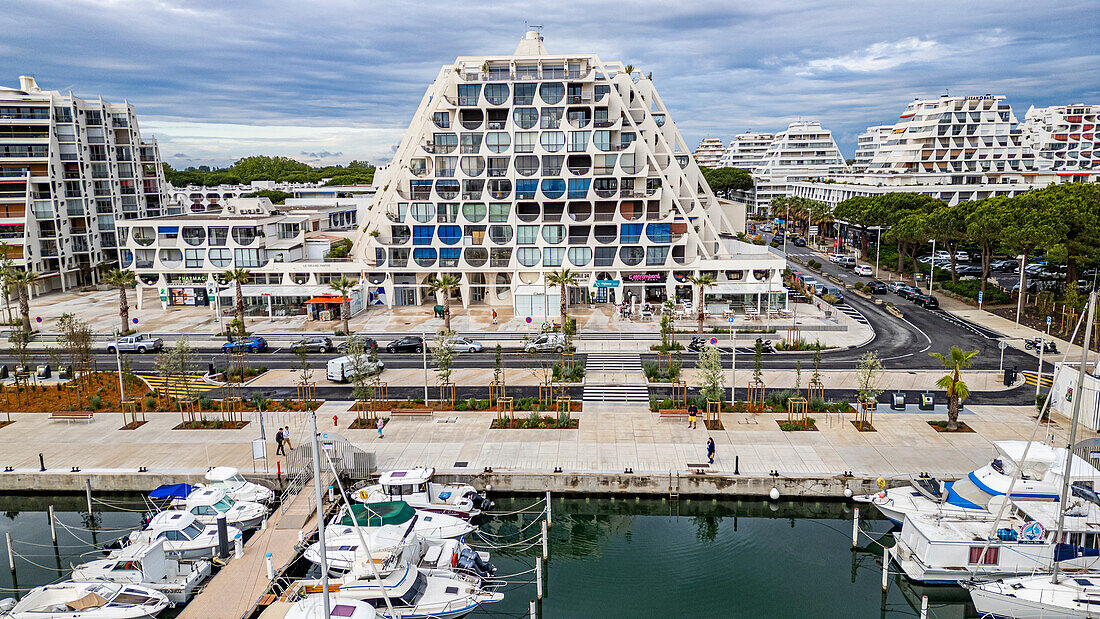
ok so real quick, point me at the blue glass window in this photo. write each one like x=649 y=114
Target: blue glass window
x=525 y=188
x=450 y=235
x=422 y=235
x=553 y=188
x=630 y=233
x=658 y=233
x=424 y=256
x=578 y=187
x=448 y=256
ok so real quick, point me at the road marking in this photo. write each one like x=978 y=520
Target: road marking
x=178 y=385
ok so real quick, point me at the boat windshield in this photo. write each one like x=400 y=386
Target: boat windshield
x=192 y=531
x=970 y=492
x=416 y=591
x=224 y=505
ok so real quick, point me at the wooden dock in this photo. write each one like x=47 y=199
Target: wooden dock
x=236 y=589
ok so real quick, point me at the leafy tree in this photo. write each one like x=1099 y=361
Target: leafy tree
x=21 y=280
x=1075 y=208
x=7 y=267
x=345 y=286
x=122 y=280
x=276 y=196
x=724 y=181
x=947 y=225
x=711 y=377
x=444 y=356
x=868 y=371
x=909 y=234
x=444 y=284
x=859 y=211
x=339 y=249
x=1028 y=225
x=957 y=391
x=702 y=281
x=563 y=279
x=984 y=226
x=757 y=363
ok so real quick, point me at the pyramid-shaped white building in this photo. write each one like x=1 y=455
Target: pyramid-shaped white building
x=516 y=166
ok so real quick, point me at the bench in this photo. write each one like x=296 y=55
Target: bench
x=411 y=412
x=71 y=416
x=672 y=412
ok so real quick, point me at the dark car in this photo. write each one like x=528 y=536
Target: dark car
x=320 y=344
x=926 y=301
x=969 y=270
x=409 y=343
x=875 y=287
x=907 y=292
x=368 y=344
x=1004 y=266
x=252 y=343
x=798 y=241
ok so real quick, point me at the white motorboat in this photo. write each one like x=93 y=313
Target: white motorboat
x=231 y=481
x=1075 y=596
x=184 y=536
x=933 y=549
x=413 y=593
x=429 y=525
x=415 y=487
x=86 y=600
x=206 y=504
x=313 y=607
x=150 y=566
x=1040 y=479
x=389 y=544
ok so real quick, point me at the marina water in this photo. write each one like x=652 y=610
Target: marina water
x=609 y=557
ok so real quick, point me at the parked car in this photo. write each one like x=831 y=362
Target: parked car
x=864 y=270
x=798 y=241
x=1033 y=268
x=343 y=369
x=321 y=344
x=136 y=343
x=962 y=256
x=252 y=343
x=368 y=344
x=462 y=344
x=875 y=287
x=833 y=290
x=970 y=270
x=942 y=255
x=895 y=286
x=907 y=292
x=409 y=343
x=924 y=259
x=847 y=262
x=835 y=257
x=1004 y=266
x=926 y=301
x=546 y=342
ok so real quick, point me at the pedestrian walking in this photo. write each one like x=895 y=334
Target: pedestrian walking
x=381 y=424
x=279 y=443
x=693 y=413
x=710 y=450
x=286 y=439
x=494 y=317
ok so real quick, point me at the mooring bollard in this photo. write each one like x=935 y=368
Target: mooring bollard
x=855 y=527
x=270 y=566
x=549 y=520
x=88 y=493
x=534 y=610
x=223 y=537
x=11 y=553
x=53 y=527
x=885 y=570
x=545 y=543
x=538 y=576
x=301 y=537
x=41 y=463
x=924 y=607
x=263 y=524
x=238 y=546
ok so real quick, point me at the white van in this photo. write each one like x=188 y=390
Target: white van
x=342 y=369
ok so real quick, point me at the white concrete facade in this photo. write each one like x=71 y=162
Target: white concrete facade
x=803 y=150
x=70 y=168
x=746 y=150
x=709 y=151
x=1064 y=139
x=868 y=143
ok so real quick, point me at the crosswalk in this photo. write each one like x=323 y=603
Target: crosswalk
x=1045 y=381
x=178 y=386
x=631 y=394
x=628 y=369
x=852 y=313
x=613 y=362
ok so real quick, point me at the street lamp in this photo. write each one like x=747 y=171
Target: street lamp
x=878 y=250
x=1020 y=294
x=932 y=267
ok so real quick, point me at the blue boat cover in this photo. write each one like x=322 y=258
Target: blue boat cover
x=1063 y=552
x=172 y=491
x=954 y=499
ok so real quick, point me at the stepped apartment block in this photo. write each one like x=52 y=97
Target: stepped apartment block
x=70 y=168
x=709 y=152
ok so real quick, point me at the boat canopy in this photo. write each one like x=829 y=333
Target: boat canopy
x=172 y=491
x=377 y=514
x=419 y=475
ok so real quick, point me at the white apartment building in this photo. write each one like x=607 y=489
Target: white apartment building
x=200 y=198
x=868 y=143
x=747 y=150
x=1064 y=139
x=70 y=168
x=708 y=152
x=803 y=150
x=517 y=165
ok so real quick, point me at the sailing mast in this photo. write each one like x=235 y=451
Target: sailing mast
x=320 y=513
x=1072 y=431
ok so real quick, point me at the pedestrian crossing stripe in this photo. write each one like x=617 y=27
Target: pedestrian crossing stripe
x=178 y=385
x=1047 y=379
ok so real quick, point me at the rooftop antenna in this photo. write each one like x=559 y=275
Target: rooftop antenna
x=535 y=27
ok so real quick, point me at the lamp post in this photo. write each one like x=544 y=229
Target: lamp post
x=1039 y=372
x=878 y=250
x=932 y=267
x=1020 y=294
x=118 y=364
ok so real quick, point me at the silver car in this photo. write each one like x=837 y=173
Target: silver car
x=136 y=343
x=462 y=344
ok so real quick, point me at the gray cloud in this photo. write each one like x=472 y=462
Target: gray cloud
x=356 y=75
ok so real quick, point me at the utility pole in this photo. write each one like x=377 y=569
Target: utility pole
x=878 y=250
x=118 y=364
x=424 y=350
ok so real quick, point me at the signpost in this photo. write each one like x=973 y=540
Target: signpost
x=980 y=295
x=733 y=364
x=1002 y=345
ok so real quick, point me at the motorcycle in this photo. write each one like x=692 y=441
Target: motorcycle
x=697 y=344
x=1034 y=343
x=765 y=345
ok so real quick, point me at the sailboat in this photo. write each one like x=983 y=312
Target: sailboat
x=1054 y=596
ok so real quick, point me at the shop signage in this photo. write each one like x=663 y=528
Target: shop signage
x=581 y=277
x=644 y=277
x=187 y=279
x=607 y=283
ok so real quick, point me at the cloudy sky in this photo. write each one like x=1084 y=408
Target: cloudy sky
x=326 y=82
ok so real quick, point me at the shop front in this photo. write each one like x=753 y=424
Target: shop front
x=185 y=290
x=648 y=287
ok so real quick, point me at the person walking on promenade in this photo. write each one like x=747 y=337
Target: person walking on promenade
x=710 y=450
x=381 y=424
x=693 y=413
x=494 y=317
x=279 y=442
x=286 y=438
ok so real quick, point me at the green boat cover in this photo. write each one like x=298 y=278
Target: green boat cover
x=377 y=514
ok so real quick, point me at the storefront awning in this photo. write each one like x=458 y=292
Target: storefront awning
x=743 y=288
x=168 y=229
x=326 y=300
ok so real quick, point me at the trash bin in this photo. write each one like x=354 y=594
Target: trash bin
x=897 y=401
x=1009 y=378
x=43 y=371
x=3 y=371
x=573 y=324
x=65 y=372
x=927 y=402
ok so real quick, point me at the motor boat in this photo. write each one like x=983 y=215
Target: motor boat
x=950 y=549
x=184 y=536
x=415 y=487
x=85 y=600
x=229 y=480
x=1072 y=596
x=1040 y=479
x=206 y=504
x=431 y=526
x=390 y=543
x=313 y=607
x=412 y=592
x=150 y=566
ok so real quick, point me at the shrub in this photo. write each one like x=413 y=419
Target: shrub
x=150 y=403
x=817 y=404
x=969 y=288
x=206 y=403
x=830 y=299
x=858 y=286
x=778 y=399
x=95 y=402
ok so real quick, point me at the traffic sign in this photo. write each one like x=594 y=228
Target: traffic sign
x=731 y=320
x=1048 y=321
x=713 y=341
x=980 y=293
x=134 y=321
x=1002 y=344
x=528 y=320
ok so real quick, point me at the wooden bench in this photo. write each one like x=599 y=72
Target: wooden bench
x=672 y=412
x=411 y=412
x=71 y=416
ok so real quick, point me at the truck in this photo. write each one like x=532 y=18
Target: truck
x=142 y=343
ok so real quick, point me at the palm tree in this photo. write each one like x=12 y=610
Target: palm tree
x=702 y=281
x=21 y=280
x=6 y=266
x=562 y=278
x=344 y=286
x=445 y=284
x=957 y=391
x=121 y=280
x=238 y=277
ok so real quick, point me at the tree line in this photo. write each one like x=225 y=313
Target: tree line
x=264 y=168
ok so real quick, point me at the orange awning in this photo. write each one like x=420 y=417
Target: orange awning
x=326 y=300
